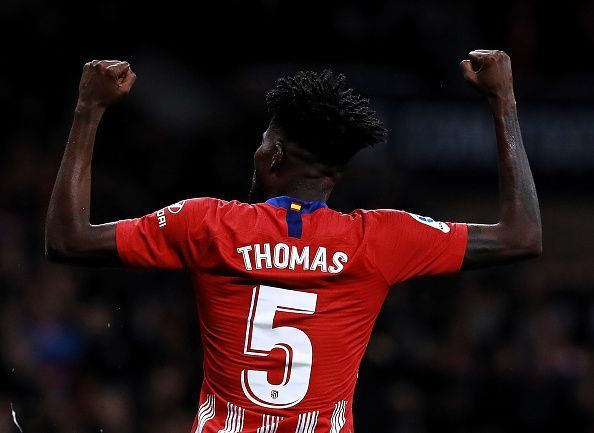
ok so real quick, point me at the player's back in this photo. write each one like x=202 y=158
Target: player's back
x=287 y=301
x=287 y=293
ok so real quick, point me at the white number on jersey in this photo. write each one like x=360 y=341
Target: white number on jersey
x=261 y=338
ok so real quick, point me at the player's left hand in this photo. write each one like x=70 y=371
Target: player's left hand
x=103 y=82
x=490 y=72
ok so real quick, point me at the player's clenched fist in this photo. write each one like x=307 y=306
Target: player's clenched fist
x=490 y=72
x=103 y=82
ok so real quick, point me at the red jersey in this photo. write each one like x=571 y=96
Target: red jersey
x=287 y=293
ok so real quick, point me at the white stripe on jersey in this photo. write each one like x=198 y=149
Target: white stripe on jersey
x=337 y=421
x=234 y=421
x=206 y=412
x=269 y=424
x=306 y=423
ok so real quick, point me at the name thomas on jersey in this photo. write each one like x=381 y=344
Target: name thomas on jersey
x=283 y=256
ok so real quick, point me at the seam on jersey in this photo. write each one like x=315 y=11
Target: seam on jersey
x=191 y=224
x=377 y=269
x=367 y=258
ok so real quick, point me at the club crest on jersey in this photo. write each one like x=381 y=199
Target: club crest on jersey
x=173 y=209
x=431 y=222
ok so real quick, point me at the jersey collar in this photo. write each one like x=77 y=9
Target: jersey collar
x=295 y=204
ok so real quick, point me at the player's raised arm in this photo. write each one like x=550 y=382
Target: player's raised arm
x=518 y=234
x=69 y=235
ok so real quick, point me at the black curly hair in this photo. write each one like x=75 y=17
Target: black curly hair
x=317 y=112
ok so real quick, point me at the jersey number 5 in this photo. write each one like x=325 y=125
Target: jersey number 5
x=261 y=338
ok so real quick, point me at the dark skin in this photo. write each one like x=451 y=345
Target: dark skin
x=518 y=234
x=284 y=168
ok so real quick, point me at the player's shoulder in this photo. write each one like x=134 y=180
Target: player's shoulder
x=378 y=221
x=373 y=215
x=214 y=203
x=357 y=220
x=219 y=209
x=394 y=218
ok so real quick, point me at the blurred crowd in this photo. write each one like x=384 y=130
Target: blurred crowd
x=509 y=349
x=500 y=350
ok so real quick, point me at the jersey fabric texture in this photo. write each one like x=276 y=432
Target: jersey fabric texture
x=287 y=294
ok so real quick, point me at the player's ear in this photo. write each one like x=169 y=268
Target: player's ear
x=279 y=156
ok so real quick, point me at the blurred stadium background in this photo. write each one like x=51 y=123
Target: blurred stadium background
x=504 y=350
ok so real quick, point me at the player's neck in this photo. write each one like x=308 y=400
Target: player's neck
x=306 y=191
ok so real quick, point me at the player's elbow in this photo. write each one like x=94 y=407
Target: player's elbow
x=529 y=251
x=53 y=254
x=536 y=246
x=56 y=251
x=61 y=248
x=55 y=240
x=525 y=244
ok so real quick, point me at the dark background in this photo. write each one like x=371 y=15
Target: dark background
x=509 y=349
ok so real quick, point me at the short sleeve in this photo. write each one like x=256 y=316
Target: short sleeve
x=169 y=238
x=403 y=245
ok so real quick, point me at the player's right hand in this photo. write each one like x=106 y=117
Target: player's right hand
x=103 y=82
x=490 y=72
